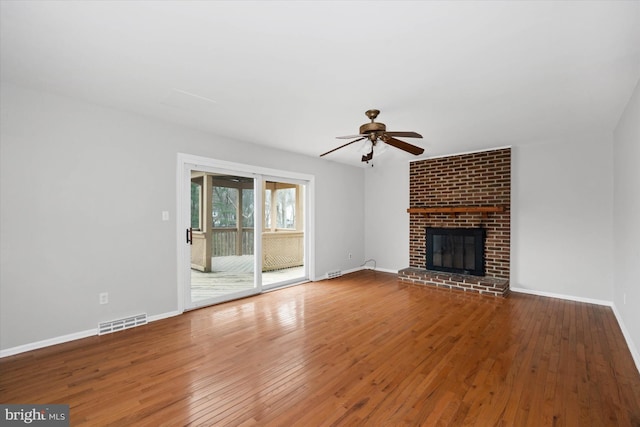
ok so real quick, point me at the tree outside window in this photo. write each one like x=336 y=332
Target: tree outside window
x=247 y=208
x=196 y=203
x=280 y=201
x=225 y=207
x=286 y=208
x=225 y=202
x=267 y=209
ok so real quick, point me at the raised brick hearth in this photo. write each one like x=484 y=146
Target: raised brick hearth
x=481 y=179
x=462 y=282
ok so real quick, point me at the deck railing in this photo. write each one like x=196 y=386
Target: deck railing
x=280 y=249
x=225 y=242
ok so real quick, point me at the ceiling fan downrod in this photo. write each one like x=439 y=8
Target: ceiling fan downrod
x=373 y=127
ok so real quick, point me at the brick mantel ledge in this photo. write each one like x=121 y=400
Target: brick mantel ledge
x=495 y=286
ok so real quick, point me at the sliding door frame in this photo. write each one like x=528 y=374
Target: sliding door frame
x=183 y=196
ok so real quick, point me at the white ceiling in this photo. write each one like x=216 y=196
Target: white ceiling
x=294 y=75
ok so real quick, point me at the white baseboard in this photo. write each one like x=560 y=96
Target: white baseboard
x=353 y=270
x=163 y=315
x=632 y=348
x=48 y=342
x=385 y=270
x=70 y=337
x=625 y=333
x=561 y=296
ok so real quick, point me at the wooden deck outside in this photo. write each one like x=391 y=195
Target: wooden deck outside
x=235 y=273
x=361 y=349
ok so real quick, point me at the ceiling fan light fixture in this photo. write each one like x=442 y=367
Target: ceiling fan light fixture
x=366 y=147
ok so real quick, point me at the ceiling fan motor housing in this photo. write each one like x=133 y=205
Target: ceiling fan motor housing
x=368 y=128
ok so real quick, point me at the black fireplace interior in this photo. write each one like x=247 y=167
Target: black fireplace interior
x=456 y=250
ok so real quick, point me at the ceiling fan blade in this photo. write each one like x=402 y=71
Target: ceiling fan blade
x=350 y=136
x=342 y=146
x=405 y=134
x=402 y=145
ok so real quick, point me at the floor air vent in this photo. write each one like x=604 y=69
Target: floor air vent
x=334 y=274
x=122 y=324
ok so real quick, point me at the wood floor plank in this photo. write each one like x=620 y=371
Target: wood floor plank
x=362 y=349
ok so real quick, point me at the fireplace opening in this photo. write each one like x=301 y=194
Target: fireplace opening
x=456 y=250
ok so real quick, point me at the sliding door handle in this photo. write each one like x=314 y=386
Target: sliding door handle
x=190 y=236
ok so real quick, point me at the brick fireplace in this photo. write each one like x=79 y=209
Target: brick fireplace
x=461 y=192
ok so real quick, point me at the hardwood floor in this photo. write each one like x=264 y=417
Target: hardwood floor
x=361 y=349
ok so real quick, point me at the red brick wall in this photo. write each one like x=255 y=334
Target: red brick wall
x=476 y=179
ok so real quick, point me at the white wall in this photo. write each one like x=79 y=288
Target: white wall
x=562 y=217
x=386 y=217
x=82 y=191
x=626 y=229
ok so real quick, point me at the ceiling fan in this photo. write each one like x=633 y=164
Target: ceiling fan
x=375 y=132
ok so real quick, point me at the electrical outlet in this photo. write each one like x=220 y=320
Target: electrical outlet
x=104 y=297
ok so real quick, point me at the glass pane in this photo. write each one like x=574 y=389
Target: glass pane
x=447 y=251
x=267 y=209
x=196 y=199
x=247 y=207
x=458 y=252
x=286 y=208
x=225 y=206
x=469 y=253
x=437 y=250
x=222 y=254
x=283 y=248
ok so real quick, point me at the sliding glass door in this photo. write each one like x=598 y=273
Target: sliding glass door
x=221 y=237
x=241 y=231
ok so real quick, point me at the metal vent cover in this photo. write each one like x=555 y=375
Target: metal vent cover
x=122 y=324
x=334 y=274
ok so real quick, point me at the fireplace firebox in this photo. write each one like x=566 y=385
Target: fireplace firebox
x=456 y=250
